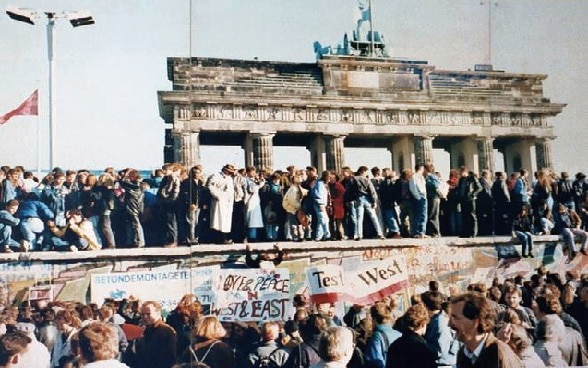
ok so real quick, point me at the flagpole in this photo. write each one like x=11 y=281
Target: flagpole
x=38 y=139
x=371 y=29
x=50 y=46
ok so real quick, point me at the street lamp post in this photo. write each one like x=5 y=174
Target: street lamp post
x=78 y=18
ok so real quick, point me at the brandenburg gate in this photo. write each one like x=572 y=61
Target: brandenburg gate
x=406 y=106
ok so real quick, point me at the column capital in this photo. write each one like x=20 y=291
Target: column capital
x=425 y=136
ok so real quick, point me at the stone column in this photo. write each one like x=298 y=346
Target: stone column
x=543 y=153
x=187 y=148
x=263 y=150
x=423 y=149
x=485 y=154
x=334 y=150
x=402 y=152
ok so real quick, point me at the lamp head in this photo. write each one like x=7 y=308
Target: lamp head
x=80 y=18
x=21 y=14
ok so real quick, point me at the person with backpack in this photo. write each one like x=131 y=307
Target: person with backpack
x=382 y=336
x=268 y=353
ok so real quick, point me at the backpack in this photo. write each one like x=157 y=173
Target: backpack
x=267 y=361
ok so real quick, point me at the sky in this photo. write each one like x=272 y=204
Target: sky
x=107 y=75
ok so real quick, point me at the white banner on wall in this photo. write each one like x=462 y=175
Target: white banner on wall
x=163 y=285
x=250 y=294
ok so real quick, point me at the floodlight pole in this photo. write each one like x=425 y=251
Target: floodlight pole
x=51 y=59
x=76 y=19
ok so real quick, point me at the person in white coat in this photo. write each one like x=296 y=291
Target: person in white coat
x=222 y=196
x=253 y=213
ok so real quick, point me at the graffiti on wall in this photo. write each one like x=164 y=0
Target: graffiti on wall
x=452 y=266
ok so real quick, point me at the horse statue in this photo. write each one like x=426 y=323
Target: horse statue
x=319 y=50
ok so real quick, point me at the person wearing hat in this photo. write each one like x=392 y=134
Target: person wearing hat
x=222 y=196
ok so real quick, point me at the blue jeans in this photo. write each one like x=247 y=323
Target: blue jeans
x=32 y=231
x=419 y=220
x=390 y=222
x=526 y=239
x=360 y=206
x=322 y=224
x=6 y=240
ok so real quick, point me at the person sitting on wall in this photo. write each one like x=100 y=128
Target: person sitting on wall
x=264 y=260
x=7 y=222
x=77 y=234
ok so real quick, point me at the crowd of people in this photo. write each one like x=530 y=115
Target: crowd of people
x=539 y=322
x=76 y=210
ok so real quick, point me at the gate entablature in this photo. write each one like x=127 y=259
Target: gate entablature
x=342 y=97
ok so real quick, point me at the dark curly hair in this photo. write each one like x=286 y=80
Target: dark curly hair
x=477 y=307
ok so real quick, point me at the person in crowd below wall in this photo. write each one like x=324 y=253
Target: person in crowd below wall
x=411 y=350
x=222 y=196
x=306 y=354
x=12 y=346
x=469 y=187
x=473 y=321
x=418 y=189
x=106 y=315
x=98 y=346
x=550 y=333
x=438 y=336
x=183 y=319
x=568 y=223
x=77 y=234
x=336 y=348
x=157 y=347
x=382 y=336
x=432 y=184
x=366 y=199
x=36 y=355
x=68 y=324
x=168 y=195
x=133 y=205
x=513 y=298
x=267 y=352
x=8 y=221
x=517 y=337
x=522 y=229
x=33 y=215
x=579 y=308
x=209 y=347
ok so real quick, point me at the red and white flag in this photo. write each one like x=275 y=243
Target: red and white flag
x=30 y=106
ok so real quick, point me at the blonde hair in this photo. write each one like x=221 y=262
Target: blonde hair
x=210 y=328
